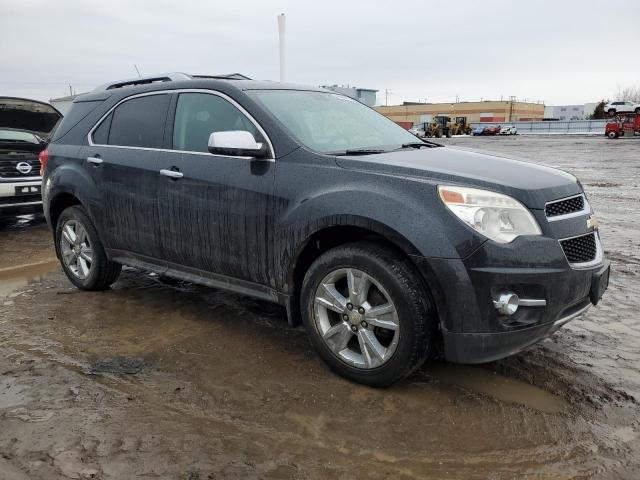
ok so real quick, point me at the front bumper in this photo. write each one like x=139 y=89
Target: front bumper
x=534 y=268
x=12 y=204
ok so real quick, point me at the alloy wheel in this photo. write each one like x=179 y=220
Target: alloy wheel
x=75 y=249
x=356 y=318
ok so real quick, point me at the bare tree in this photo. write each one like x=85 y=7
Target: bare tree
x=631 y=94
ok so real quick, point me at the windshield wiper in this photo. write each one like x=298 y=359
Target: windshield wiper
x=424 y=143
x=361 y=151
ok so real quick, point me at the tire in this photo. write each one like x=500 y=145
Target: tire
x=612 y=135
x=637 y=110
x=83 y=259
x=612 y=112
x=448 y=133
x=392 y=283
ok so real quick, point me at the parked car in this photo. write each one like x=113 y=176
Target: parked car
x=492 y=130
x=418 y=131
x=477 y=131
x=383 y=245
x=622 y=107
x=508 y=130
x=24 y=129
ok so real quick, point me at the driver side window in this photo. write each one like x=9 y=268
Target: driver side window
x=200 y=114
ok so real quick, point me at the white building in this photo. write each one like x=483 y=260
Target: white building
x=363 y=95
x=569 y=112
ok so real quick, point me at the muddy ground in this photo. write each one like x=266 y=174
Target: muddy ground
x=149 y=380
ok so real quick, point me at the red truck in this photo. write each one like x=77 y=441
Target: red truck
x=623 y=124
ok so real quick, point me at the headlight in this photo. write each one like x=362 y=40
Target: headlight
x=497 y=216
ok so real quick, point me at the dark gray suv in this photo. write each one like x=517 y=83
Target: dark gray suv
x=385 y=247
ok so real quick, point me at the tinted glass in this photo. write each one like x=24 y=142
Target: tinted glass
x=139 y=122
x=198 y=115
x=78 y=111
x=101 y=134
x=328 y=122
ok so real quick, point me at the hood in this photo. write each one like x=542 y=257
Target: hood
x=531 y=184
x=33 y=116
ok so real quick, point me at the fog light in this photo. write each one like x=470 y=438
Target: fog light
x=507 y=303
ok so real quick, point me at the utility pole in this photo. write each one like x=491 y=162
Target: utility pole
x=282 y=24
x=386 y=96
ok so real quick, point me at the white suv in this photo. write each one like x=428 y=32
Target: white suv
x=25 y=126
x=622 y=107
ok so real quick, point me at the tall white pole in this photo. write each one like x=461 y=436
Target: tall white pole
x=282 y=24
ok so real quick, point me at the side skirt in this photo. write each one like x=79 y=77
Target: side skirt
x=202 y=277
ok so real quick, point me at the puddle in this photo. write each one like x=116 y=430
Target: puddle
x=482 y=380
x=13 y=278
x=117 y=365
x=11 y=394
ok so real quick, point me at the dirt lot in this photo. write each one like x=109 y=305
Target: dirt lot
x=156 y=381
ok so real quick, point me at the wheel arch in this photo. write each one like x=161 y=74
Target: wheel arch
x=338 y=231
x=59 y=203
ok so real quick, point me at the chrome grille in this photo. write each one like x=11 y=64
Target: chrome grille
x=9 y=165
x=580 y=249
x=565 y=206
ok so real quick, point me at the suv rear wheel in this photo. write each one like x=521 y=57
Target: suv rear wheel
x=367 y=314
x=81 y=253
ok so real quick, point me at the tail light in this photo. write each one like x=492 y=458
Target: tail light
x=44 y=158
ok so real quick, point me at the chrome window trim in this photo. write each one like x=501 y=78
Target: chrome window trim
x=272 y=152
x=585 y=210
x=592 y=263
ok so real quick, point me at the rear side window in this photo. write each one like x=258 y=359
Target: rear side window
x=139 y=122
x=101 y=134
x=79 y=110
x=198 y=115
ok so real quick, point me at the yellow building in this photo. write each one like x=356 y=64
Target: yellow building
x=488 y=111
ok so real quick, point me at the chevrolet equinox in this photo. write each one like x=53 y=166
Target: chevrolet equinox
x=387 y=248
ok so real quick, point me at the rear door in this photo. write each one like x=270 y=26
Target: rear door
x=215 y=215
x=123 y=159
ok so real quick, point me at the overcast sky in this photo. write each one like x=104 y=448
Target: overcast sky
x=561 y=52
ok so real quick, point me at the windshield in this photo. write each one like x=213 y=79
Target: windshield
x=17 y=136
x=332 y=123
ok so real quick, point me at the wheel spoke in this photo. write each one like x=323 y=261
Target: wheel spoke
x=372 y=351
x=67 y=256
x=338 y=336
x=358 y=287
x=87 y=254
x=81 y=233
x=83 y=268
x=68 y=234
x=383 y=316
x=330 y=298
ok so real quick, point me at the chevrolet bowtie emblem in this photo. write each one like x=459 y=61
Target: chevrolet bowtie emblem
x=592 y=222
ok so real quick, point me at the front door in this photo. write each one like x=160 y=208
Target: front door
x=215 y=211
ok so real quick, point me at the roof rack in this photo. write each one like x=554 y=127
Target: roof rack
x=132 y=82
x=165 y=77
x=226 y=76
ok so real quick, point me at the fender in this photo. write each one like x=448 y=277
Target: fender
x=70 y=178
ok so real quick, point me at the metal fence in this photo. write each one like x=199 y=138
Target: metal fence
x=577 y=127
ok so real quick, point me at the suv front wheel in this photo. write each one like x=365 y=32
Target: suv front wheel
x=81 y=253
x=367 y=313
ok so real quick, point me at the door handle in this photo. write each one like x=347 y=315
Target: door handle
x=171 y=173
x=95 y=160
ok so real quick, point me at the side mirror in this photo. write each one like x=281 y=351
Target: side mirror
x=236 y=143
